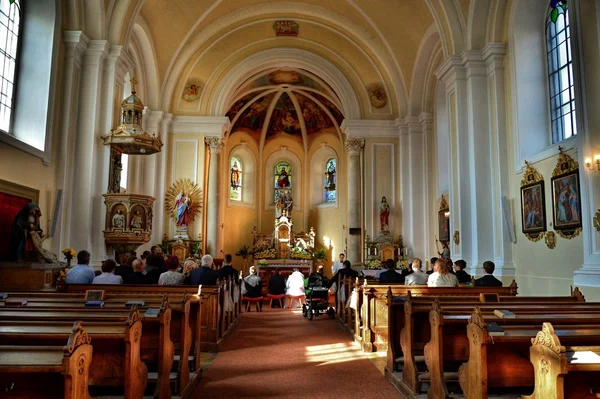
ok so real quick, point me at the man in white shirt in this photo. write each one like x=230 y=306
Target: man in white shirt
x=108 y=274
x=337 y=266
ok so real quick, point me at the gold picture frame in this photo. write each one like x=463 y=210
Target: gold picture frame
x=533 y=209
x=94 y=295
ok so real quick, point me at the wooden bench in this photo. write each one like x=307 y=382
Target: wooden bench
x=181 y=325
x=19 y=364
x=503 y=361
x=156 y=344
x=374 y=312
x=415 y=314
x=116 y=361
x=563 y=372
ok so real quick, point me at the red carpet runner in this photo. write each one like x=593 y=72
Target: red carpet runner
x=280 y=354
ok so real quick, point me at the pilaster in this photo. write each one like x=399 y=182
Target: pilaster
x=215 y=145
x=354 y=148
x=81 y=199
x=160 y=220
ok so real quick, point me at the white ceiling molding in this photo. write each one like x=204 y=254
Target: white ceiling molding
x=207 y=125
x=370 y=128
x=287 y=57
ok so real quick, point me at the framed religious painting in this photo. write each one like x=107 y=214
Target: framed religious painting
x=566 y=201
x=566 y=197
x=533 y=211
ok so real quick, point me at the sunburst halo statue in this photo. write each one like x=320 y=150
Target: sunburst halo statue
x=183 y=201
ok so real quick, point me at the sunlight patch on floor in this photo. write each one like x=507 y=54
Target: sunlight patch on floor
x=333 y=353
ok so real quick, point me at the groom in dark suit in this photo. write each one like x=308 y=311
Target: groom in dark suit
x=488 y=280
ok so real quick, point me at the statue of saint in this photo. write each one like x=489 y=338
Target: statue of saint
x=136 y=221
x=21 y=247
x=182 y=203
x=43 y=255
x=118 y=220
x=116 y=178
x=289 y=204
x=384 y=215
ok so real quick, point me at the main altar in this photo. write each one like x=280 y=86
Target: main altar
x=282 y=248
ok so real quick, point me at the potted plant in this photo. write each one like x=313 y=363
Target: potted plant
x=320 y=255
x=196 y=248
x=244 y=253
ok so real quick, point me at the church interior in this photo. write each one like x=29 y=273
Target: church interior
x=282 y=138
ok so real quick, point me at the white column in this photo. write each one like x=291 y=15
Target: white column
x=215 y=144
x=452 y=73
x=81 y=204
x=354 y=146
x=493 y=55
x=102 y=155
x=75 y=45
x=160 y=223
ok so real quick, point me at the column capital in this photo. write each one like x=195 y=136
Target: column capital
x=493 y=54
x=165 y=122
x=354 y=145
x=473 y=63
x=209 y=125
x=112 y=57
x=215 y=143
x=153 y=118
x=451 y=70
x=76 y=42
x=96 y=51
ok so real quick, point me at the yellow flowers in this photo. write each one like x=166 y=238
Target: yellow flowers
x=69 y=252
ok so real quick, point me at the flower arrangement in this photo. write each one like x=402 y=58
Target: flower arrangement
x=402 y=264
x=244 y=252
x=299 y=253
x=69 y=253
x=374 y=264
x=264 y=251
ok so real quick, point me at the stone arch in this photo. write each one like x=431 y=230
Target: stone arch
x=289 y=57
x=450 y=25
x=147 y=57
x=95 y=20
x=192 y=43
x=428 y=48
x=477 y=25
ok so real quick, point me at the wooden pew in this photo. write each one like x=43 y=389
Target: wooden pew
x=374 y=310
x=415 y=314
x=503 y=361
x=18 y=364
x=562 y=372
x=116 y=360
x=181 y=326
x=156 y=344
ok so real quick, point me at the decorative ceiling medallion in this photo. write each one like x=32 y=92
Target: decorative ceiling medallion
x=282 y=76
x=286 y=28
x=550 y=240
x=191 y=91
x=377 y=95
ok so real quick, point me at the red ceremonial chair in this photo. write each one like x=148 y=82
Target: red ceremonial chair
x=300 y=298
x=256 y=301
x=278 y=297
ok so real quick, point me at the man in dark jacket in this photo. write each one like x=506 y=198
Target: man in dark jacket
x=488 y=280
x=347 y=271
x=391 y=276
x=459 y=269
x=227 y=270
x=138 y=276
x=276 y=284
x=204 y=275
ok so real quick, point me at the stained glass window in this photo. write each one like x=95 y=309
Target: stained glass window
x=10 y=18
x=282 y=180
x=560 y=72
x=235 y=187
x=330 y=180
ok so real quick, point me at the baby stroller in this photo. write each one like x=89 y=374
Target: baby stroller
x=317 y=298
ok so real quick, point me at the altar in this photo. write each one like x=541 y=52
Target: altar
x=266 y=268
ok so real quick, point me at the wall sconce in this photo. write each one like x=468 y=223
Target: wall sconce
x=447 y=214
x=590 y=164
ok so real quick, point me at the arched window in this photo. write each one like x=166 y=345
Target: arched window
x=560 y=72
x=330 y=180
x=283 y=180
x=10 y=18
x=235 y=179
